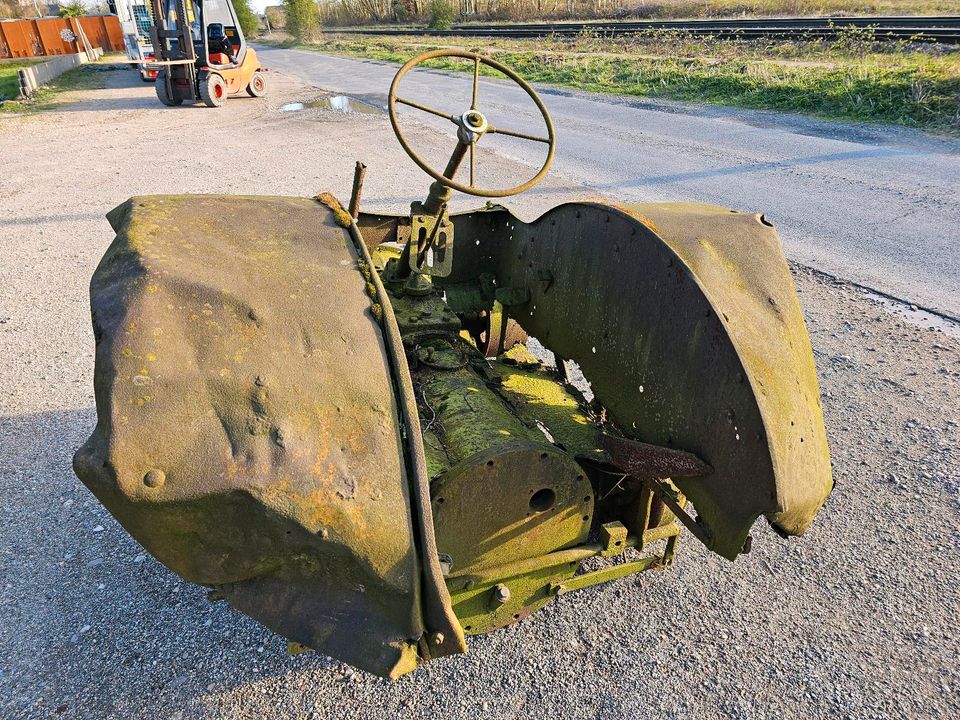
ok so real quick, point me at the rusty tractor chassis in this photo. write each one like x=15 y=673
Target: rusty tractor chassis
x=285 y=417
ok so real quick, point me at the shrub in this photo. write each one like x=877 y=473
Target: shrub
x=12 y=9
x=73 y=9
x=249 y=22
x=303 y=19
x=440 y=13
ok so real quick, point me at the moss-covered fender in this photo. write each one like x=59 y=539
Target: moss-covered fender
x=685 y=320
x=248 y=433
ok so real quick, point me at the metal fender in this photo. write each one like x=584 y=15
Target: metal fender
x=248 y=431
x=685 y=321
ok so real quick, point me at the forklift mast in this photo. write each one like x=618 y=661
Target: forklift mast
x=171 y=33
x=181 y=27
x=181 y=42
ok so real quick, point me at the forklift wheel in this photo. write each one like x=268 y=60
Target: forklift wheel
x=213 y=89
x=257 y=86
x=162 y=90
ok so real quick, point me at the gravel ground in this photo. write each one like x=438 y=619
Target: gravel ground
x=856 y=619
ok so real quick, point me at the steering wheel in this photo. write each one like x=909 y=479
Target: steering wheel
x=472 y=125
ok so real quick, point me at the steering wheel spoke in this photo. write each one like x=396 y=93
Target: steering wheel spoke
x=513 y=133
x=426 y=109
x=476 y=84
x=473 y=162
x=472 y=125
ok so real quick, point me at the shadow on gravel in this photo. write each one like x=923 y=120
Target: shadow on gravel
x=109 y=104
x=93 y=626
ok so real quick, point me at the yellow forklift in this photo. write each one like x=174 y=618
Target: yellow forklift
x=202 y=53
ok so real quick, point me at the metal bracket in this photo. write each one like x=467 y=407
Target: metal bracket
x=652 y=465
x=671 y=500
x=431 y=252
x=613 y=537
x=606 y=574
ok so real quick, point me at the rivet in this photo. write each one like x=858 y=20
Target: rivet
x=154 y=478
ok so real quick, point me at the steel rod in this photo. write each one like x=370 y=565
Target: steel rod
x=514 y=133
x=426 y=109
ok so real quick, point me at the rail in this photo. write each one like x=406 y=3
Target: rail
x=939 y=29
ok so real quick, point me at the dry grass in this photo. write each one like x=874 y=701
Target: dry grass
x=347 y=12
x=851 y=78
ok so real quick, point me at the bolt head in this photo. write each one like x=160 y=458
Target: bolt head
x=154 y=478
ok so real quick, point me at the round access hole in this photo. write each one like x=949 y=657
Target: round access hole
x=542 y=500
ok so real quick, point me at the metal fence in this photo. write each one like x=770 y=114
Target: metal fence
x=58 y=36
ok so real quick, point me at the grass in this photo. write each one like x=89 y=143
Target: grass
x=49 y=96
x=9 y=82
x=852 y=78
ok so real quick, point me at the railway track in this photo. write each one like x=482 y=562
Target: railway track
x=939 y=29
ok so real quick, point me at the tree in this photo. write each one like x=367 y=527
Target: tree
x=303 y=19
x=73 y=9
x=11 y=9
x=249 y=22
x=276 y=17
x=441 y=14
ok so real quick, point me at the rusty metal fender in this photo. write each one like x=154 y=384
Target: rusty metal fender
x=248 y=430
x=684 y=319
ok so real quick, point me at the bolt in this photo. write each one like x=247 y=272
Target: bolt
x=154 y=478
x=501 y=593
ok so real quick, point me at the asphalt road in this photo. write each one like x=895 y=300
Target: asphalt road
x=878 y=207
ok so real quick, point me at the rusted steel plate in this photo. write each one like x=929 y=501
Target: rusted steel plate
x=685 y=321
x=652 y=462
x=41 y=36
x=248 y=432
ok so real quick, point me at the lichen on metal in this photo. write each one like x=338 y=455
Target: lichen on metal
x=537 y=398
x=709 y=353
x=251 y=433
x=352 y=443
x=340 y=215
x=240 y=362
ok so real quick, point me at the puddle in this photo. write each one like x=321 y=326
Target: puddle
x=337 y=103
x=916 y=316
